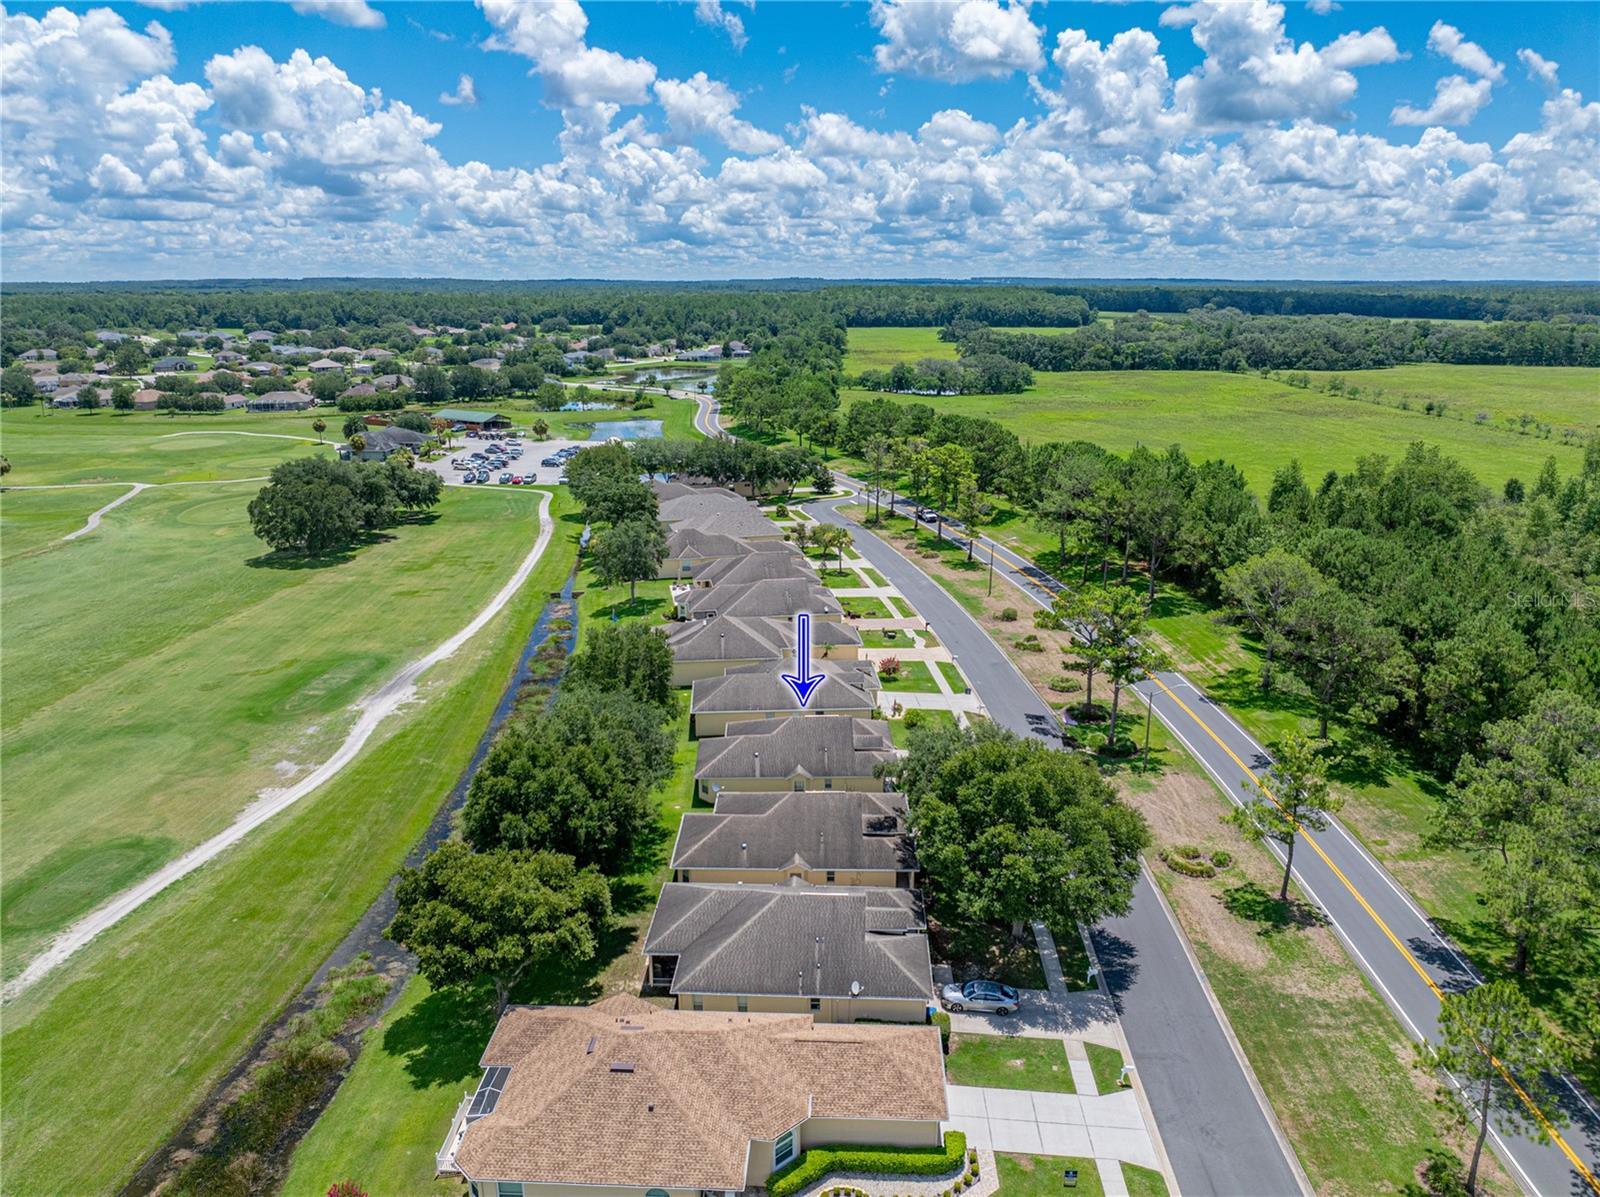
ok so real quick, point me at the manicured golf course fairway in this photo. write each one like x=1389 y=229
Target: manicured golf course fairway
x=105 y=1056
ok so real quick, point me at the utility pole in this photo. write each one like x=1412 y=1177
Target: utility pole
x=991 y=568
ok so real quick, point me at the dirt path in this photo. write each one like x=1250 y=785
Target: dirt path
x=277 y=436
x=371 y=711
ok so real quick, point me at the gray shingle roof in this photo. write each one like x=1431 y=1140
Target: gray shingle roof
x=780 y=940
x=694 y=540
x=796 y=746
x=847 y=686
x=774 y=597
x=816 y=829
x=756 y=567
x=731 y=638
x=387 y=439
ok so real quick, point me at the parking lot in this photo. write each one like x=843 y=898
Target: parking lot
x=499 y=461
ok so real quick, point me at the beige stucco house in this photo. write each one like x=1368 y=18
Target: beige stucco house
x=819 y=752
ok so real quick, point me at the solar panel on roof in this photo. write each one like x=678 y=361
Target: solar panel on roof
x=488 y=1094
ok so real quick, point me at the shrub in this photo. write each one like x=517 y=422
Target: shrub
x=942 y=1021
x=889 y=667
x=1187 y=851
x=820 y=1162
x=1008 y=614
x=1222 y=858
x=1189 y=868
x=1065 y=683
x=781 y=511
x=347 y=1188
x=914 y=717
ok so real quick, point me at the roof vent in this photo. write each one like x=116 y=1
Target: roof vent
x=619 y=1066
x=593 y=1039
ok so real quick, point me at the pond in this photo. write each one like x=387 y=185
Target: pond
x=628 y=430
x=591 y=405
x=680 y=379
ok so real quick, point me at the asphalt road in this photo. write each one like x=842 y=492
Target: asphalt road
x=1408 y=960
x=1218 y=1136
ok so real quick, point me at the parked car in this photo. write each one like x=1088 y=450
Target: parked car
x=483 y=475
x=505 y=479
x=986 y=997
x=550 y=463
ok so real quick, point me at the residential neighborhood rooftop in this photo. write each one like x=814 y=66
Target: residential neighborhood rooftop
x=796 y=746
x=831 y=829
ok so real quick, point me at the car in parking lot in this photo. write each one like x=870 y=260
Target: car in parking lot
x=550 y=463
x=483 y=475
x=984 y=997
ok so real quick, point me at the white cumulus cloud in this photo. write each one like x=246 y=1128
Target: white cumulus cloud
x=711 y=12
x=1456 y=100
x=464 y=96
x=1540 y=68
x=1447 y=40
x=956 y=41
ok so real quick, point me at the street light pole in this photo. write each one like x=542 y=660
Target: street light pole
x=991 y=569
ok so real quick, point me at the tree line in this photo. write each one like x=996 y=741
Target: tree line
x=979 y=374
x=1227 y=339
x=315 y=505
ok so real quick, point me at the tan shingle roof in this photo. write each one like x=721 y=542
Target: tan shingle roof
x=698 y=1088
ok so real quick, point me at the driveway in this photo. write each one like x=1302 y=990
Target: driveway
x=1043 y=1015
x=1109 y=1126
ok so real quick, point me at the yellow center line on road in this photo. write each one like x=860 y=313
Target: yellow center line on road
x=1405 y=952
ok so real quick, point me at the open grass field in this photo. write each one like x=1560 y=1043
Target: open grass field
x=1259 y=424
x=160 y=672
x=105 y=1057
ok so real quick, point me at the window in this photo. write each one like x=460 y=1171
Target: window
x=698 y=1002
x=508 y=1188
x=827 y=783
x=816 y=1004
x=744 y=1004
x=832 y=876
x=783 y=1149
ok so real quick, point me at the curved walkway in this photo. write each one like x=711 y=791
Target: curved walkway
x=371 y=711
x=93 y=521
x=277 y=436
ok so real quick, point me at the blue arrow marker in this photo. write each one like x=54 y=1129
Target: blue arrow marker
x=805 y=682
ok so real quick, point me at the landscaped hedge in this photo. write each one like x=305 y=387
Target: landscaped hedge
x=819 y=1162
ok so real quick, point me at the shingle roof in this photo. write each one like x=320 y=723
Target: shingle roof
x=703 y=502
x=696 y=1090
x=792 y=940
x=666 y=491
x=816 y=829
x=697 y=540
x=732 y=638
x=796 y=746
x=847 y=686
x=756 y=567
x=387 y=439
x=774 y=597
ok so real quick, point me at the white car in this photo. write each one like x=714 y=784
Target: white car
x=986 y=997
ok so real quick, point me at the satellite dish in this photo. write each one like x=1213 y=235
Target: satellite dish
x=855 y=988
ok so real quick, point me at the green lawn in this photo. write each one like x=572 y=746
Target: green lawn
x=1561 y=397
x=914 y=677
x=886 y=638
x=1009 y=1062
x=835 y=580
x=1036 y=1175
x=105 y=1057
x=164 y=652
x=1143 y=1182
x=875 y=577
x=1106 y=1064
x=901 y=734
x=866 y=608
x=952 y=675
x=32 y=520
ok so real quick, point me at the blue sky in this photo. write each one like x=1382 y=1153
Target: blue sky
x=714 y=139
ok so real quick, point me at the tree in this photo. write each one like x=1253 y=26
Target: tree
x=17 y=385
x=88 y=398
x=831 y=538
x=576 y=779
x=879 y=450
x=1525 y=808
x=431 y=386
x=540 y=428
x=1489 y=1033
x=1158 y=492
x=972 y=510
x=122 y=397
x=315 y=505
x=469 y=915
x=1105 y=621
x=1262 y=591
x=325 y=388
x=625 y=656
x=319 y=426
x=609 y=500
x=414 y=489
x=353 y=425
x=358 y=444
x=1342 y=653
x=631 y=551
x=1298 y=799
x=1009 y=831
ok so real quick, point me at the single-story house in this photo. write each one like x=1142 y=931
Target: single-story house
x=757 y=567
x=377 y=354
x=691 y=548
x=361 y=389
x=173 y=365
x=710 y=353
x=279 y=401
x=748 y=692
x=625 y=1098
x=485 y=363
x=699 y=501
x=146 y=399
x=779 y=597
x=227 y=357
x=38 y=355
x=392 y=382
x=845 y=837
x=297 y=351
x=744 y=521
x=381 y=443
x=738 y=349
x=260 y=369
x=361 y=368
x=261 y=337
x=65 y=397
x=710 y=647
x=839 y=953
x=822 y=752
x=47 y=384
x=108 y=336
x=323 y=365
x=234 y=402
x=472 y=418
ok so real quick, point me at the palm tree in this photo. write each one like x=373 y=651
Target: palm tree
x=319 y=426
